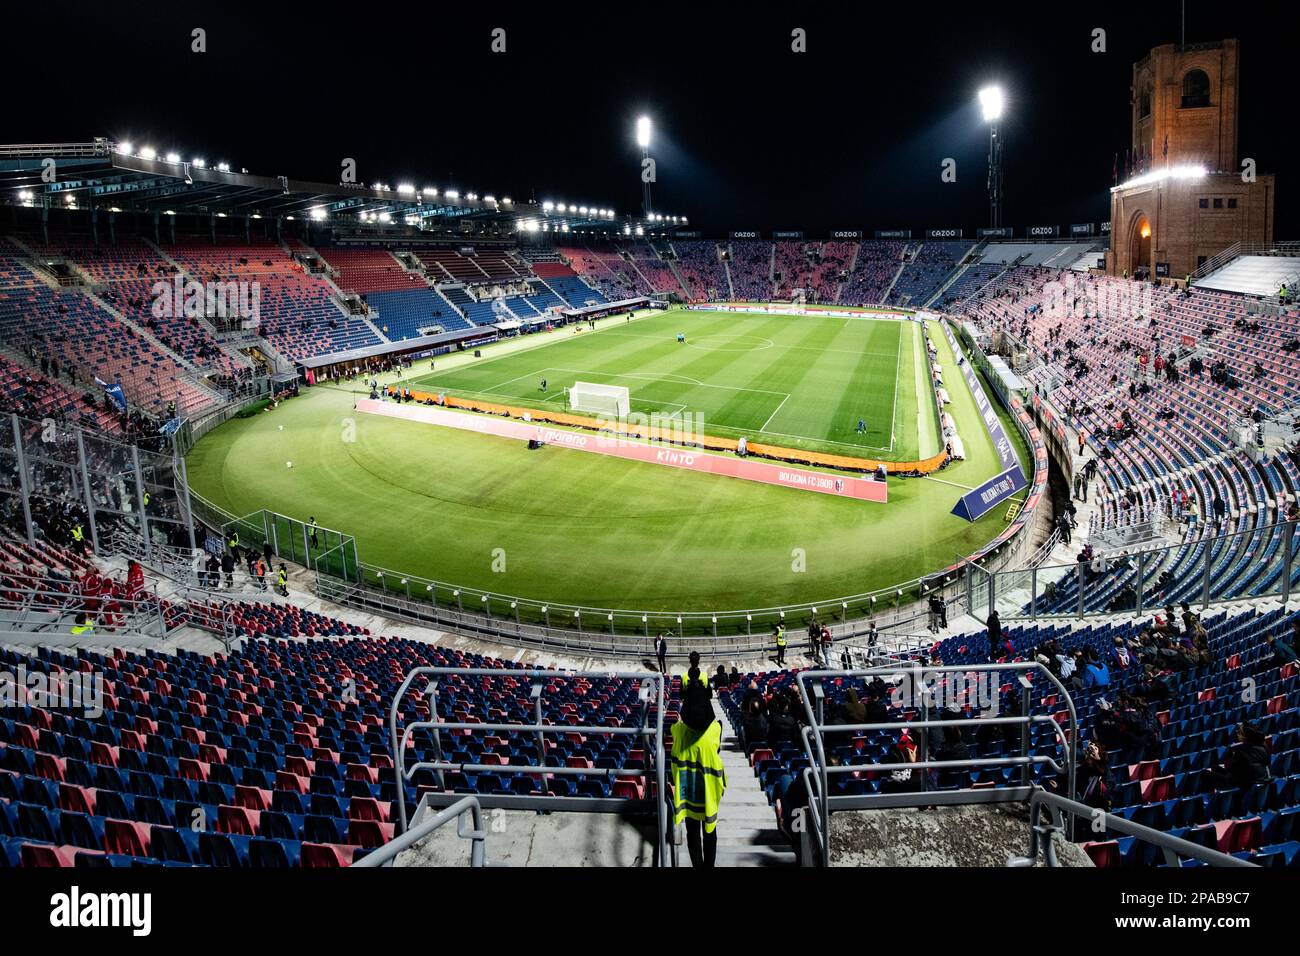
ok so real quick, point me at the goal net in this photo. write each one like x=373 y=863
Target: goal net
x=609 y=400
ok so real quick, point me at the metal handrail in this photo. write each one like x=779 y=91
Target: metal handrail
x=421 y=828
x=815 y=730
x=1040 y=835
x=654 y=734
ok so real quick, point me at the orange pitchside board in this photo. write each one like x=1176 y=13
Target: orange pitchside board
x=617 y=446
x=649 y=433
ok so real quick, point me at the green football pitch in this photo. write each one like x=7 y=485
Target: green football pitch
x=801 y=382
x=566 y=526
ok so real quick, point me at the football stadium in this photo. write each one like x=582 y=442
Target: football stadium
x=492 y=483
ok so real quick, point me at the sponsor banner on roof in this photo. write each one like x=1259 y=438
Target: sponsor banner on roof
x=893 y=233
x=1042 y=232
x=943 y=233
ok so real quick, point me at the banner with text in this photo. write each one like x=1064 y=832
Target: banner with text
x=675 y=456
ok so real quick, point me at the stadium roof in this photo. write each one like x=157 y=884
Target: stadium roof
x=116 y=177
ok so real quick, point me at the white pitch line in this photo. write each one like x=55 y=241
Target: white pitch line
x=773 y=415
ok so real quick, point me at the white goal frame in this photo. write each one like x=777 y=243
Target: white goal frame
x=613 y=400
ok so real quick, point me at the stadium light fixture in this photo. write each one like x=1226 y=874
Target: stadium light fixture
x=991 y=103
x=452 y=194
x=643 y=132
x=223 y=167
x=199 y=162
x=405 y=188
x=317 y=213
x=147 y=153
x=173 y=157
x=124 y=148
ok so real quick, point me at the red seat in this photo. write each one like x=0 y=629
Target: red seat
x=630 y=788
x=77 y=799
x=1146 y=770
x=760 y=753
x=370 y=833
x=238 y=820
x=367 y=808
x=45 y=855
x=127 y=837
x=1157 y=789
x=322 y=855
x=252 y=798
x=1104 y=853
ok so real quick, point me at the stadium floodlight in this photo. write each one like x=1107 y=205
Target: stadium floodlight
x=317 y=213
x=147 y=153
x=24 y=195
x=991 y=103
x=405 y=188
x=199 y=162
x=124 y=148
x=223 y=167
x=489 y=198
x=643 y=132
x=173 y=157
x=452 y=194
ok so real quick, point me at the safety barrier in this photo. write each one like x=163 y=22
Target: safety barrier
x=649 y=728
x=818 y=775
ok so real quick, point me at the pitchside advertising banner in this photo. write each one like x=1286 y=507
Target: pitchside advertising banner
x=675 y=456
x=977 y=502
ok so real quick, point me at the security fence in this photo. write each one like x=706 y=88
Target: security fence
x=1202 y=569
x=122 y=496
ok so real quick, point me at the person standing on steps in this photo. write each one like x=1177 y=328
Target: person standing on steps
x=699 y=778
x=661 y=652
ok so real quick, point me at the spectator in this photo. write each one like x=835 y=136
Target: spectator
x=699 y=778
x=1247 y=762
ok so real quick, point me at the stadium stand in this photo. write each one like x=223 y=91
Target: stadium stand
x=926 y=269
x=702 y=268
x=873 y=272
x=751 y=270
x=1253 y=275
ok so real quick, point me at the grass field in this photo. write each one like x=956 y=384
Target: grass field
x=803 y=382
x=573 y=527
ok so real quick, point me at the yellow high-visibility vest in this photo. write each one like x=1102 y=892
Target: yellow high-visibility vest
x=780 y=638
x=699 y=778
x=83 y=628
x=78 y=535
x=686 y=679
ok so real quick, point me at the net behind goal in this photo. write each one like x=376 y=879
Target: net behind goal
x=609 y=400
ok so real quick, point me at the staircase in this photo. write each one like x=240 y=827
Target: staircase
x=892 y=282
x=747 y=833
x=853 y=264
x=726 y=265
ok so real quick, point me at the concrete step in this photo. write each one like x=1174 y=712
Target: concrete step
x=754 y=856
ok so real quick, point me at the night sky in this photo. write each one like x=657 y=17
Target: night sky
x=749 y=135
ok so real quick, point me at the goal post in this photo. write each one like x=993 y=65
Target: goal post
x=612 y=400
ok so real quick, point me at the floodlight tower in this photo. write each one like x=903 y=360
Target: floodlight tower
x=643 y=140
x=991 y=104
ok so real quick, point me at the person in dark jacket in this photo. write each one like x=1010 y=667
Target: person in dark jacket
x=1247 y=762
x=782 y=728
x=953 y=748
x=755 y=724
x=995 y=636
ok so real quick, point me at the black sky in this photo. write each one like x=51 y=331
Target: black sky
x=850 y=134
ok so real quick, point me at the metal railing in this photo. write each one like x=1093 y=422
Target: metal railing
x=819 y=772
x=1202 y=569
x=423 y=826
x=1058 y=807
x=649 y=728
